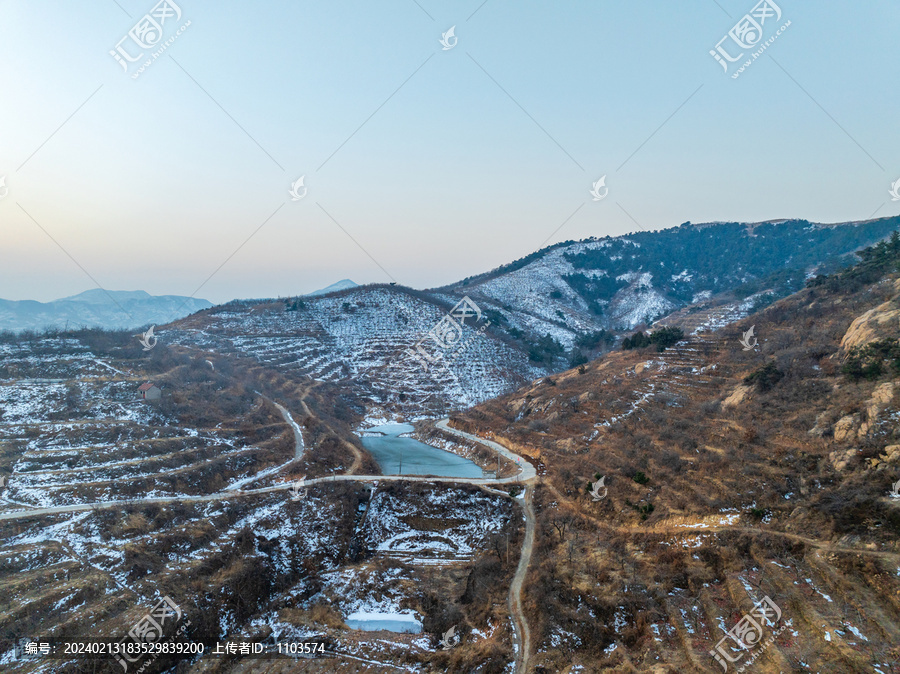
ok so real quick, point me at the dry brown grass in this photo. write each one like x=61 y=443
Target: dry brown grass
x=615 y=572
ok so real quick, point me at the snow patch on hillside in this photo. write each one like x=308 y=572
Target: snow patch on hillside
x=365 y=335
x=638 y=303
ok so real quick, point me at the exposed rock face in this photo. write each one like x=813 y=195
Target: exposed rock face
x=881 y=398
x=854 y=425
x=878 y=323
x=737 y=397
x=822 y=426
x=891 y=454
x=885 y=461
x=846 y=427
x=650 y=365
x=842 y=458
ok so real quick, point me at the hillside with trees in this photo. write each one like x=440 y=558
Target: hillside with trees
x=729 y=475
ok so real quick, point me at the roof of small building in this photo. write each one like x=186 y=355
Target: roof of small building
x=146 y=387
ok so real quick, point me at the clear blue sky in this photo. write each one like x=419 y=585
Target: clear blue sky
x=439 y=163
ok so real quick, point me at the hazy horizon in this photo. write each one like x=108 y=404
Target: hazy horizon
x=423 y=165
x=328 y=284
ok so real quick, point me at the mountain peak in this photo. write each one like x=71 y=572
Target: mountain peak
x=343 y=284
x=100 y=296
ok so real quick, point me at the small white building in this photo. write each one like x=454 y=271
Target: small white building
x=149 y=391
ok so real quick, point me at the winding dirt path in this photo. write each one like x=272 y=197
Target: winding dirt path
x=357 y=455
x=522 y=634
x=827 y=546
x=521 y=631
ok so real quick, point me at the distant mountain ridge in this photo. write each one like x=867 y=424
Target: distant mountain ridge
x=343 y=284
x=100 y=296
x=97 y=308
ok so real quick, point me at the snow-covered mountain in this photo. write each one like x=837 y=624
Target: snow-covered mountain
x=620 y=283
x=367 y=335
x=112 y=310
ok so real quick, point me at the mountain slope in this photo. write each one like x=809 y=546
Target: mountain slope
x=730 y=475
x=535 y=313
x=363 y=335
x=109 y=502
x=622 y=282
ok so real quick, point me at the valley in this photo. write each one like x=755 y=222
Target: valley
x=465 y=338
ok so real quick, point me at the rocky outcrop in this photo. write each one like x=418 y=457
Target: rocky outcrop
x=842 y=458
x=857 y=425
x=881 y=398
x=878 y=323
x=846 y=427
x=822 y=427
x=889 y=459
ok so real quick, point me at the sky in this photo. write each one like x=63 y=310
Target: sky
x=422 y=162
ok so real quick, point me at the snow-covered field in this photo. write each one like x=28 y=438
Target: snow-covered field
x=457 y=523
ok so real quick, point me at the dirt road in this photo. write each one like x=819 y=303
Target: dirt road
x=521 y=632
x=237 y=493
x=526 y=470
x=522 y=635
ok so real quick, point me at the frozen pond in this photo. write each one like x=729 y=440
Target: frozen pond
x=392 y=622
x=405 y=456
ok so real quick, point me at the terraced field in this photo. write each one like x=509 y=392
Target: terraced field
x=110 y=501
x=363 y=335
